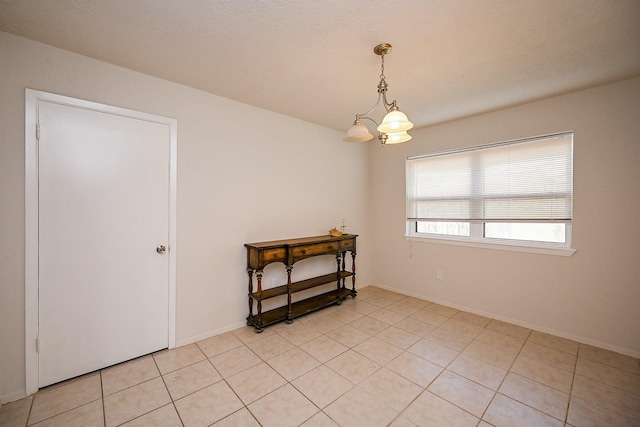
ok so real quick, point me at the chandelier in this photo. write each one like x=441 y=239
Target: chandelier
x=395 y=124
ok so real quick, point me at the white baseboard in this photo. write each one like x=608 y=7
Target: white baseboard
x=210 y=334
x=224 y=329
x=12 y=397
x=517 y=322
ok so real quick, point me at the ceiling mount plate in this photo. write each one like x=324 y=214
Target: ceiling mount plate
x=382 y=49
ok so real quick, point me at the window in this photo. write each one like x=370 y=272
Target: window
x=517 y=193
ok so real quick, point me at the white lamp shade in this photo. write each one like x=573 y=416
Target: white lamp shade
x=395 y=121
x=358 y=133
x=397 y=137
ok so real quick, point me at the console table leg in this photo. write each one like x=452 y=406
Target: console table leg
x=344 y=257
x=338 y=259
x=289 y=318
x=353 y=277
x=259 y=295
x=250 y=273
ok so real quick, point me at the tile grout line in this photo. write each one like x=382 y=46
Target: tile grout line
x=573 y=379
x=527 y=339
x=355 y=386
x=62 y=384
x=104 y=410
x=244 y=405
x=505 y=377
x=325 y=334
x=444 y=369
x=33 y=399
x=173 y=402
x=426 y=388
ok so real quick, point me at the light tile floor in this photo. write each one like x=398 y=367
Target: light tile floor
x=381 y=359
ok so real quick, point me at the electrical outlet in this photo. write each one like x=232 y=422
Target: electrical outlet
x=439 y=275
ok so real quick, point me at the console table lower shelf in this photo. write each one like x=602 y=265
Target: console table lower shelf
x=299 y=308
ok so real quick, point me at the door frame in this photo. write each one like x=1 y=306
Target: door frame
x=32 y=100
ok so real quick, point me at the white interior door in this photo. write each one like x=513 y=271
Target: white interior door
x=103 y=210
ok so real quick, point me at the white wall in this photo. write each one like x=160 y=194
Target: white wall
x=592 y=296
x=250 y=181
x=244 y=175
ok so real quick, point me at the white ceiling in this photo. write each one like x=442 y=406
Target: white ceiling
x=314 y=60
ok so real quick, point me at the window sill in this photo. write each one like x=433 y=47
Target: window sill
x=496 y=246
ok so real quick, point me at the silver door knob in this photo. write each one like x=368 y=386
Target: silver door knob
x=161 y=249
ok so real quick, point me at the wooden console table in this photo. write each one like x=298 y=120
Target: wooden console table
x=288 y=252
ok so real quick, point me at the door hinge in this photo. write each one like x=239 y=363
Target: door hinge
x=38 y=132
x=38 y=345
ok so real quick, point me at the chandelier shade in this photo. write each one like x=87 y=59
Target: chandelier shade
x=395 y=124
x=397 y=137
x=395 y=121
x=358 y=133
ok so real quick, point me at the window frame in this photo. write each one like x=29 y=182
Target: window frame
x=477 y=236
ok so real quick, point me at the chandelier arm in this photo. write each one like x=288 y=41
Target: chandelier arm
x=387 y=104
x=369 y=118
x=364 y=115
x=382 y=137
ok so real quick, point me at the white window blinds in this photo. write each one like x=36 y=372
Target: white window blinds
x=522 y=181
